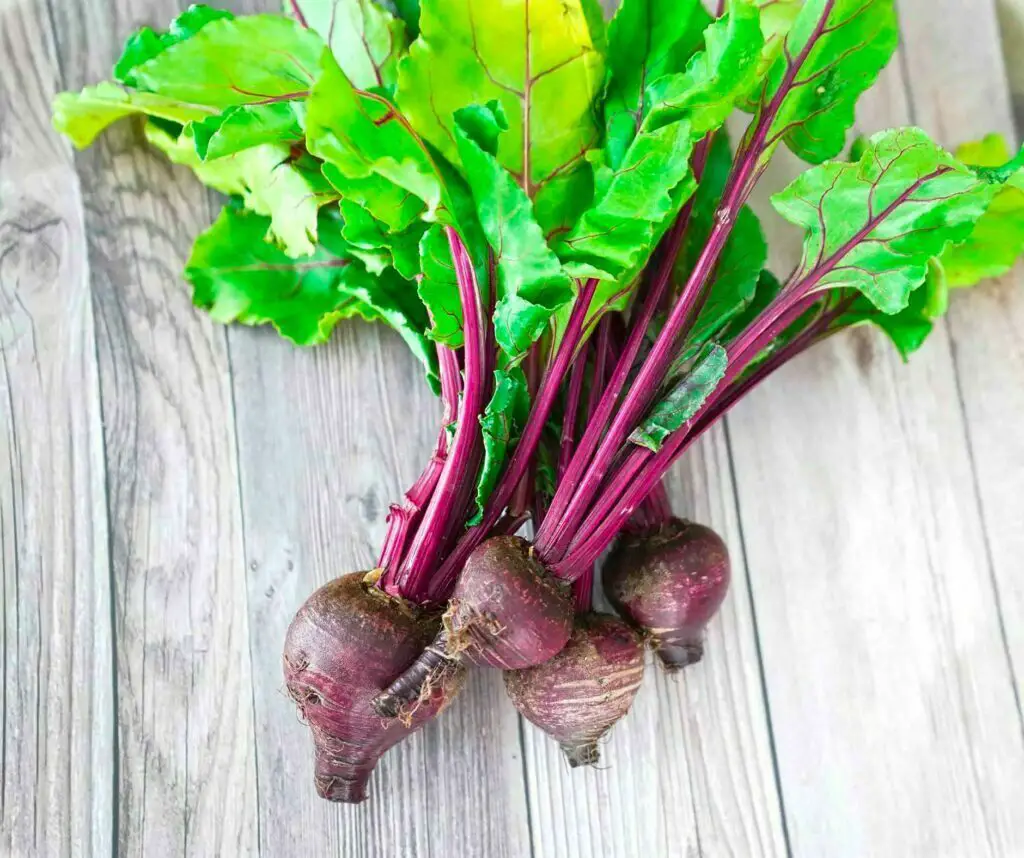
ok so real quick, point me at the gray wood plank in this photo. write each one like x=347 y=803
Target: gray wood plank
x=57 y=710
x=894 y=717
x=689 y=770
x=185 y=735
x=328 y=438
x=985 y=324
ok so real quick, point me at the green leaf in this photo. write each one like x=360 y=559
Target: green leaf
x=370 y=153
x=615 y=237
x=370 y=241
x=874 y=225
x=237 y=277
x=439 y=288
x=232 y=61
x=531 y=283
x=910 y=327
x=248 y=125
x=997 y=241
x=366 y=39
x=736 y=276
x=716 y=78
x=777 y=17
x=501 y=423
x=647 y=39
x=409 y=12
x=833 y=53
x=269 y=180
x=145 y=43
x=684 y=399
x=538 y=59
x=82 y=116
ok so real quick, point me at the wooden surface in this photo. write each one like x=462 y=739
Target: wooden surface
x=171 y=491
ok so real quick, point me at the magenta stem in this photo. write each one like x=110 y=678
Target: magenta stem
x=463 y=458
x=525 y=449
x=583 y=477
x=583 y=591
x=572 y=407
x=401 y=518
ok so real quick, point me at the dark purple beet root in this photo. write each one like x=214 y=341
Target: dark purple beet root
x=581 y=693
x=670 y=582
x=346 y=643
x=507 y=612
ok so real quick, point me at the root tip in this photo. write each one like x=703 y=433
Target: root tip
x=582 y=754
x=674 y=657
x=386 y=705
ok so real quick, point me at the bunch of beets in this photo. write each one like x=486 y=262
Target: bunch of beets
x=547 y=207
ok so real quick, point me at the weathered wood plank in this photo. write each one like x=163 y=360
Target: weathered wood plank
x=689 y=770
x=328 y=438
x=986 y=325
x=57 y=711
x=185 y=735
x=893 y=712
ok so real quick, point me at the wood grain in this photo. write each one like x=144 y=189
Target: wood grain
x=56 y=714
x=879 y=626
x=186 y=759
x=694 y=749
x=328 y=438
x=985 y=324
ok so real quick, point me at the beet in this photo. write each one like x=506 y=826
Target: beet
x=669 y=582
x=347 y=642
x=579 y=695
x=506 y=611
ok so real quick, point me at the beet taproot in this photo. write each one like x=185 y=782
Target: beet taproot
x=348 y=642
x=669 y=582
x=580 y=694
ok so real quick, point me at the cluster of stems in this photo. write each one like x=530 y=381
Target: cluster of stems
x=604 y=481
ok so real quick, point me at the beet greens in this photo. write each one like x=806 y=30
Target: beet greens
x=549 y=210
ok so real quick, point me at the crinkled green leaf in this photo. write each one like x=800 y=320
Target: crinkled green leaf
x=233 y=61
x=833 y=52
x=370 y=154
x=538 y=59
x=248 y=125
x=204 y=65
x=269 y=180
x=82 y=116
x=501 y=423
x=647 y=39
x=439 y=287
x=910 y=327
x=874 y=225
x=366 y=39
x=736 y=276
x=616 y=235
x=997 y=241
x=716 y=77
x=145 y=43
x=683 y=400
x=531 y=283
x=376 y=247
x=237 y=277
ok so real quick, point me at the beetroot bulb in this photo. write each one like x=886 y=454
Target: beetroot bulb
x=506 y=611
x=346 y=643
x=669 y=581
x=578 y=696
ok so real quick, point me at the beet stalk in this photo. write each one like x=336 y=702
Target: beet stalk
x=506 y=612
x=347 y=642
x=579 y=695
x=669 y=581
